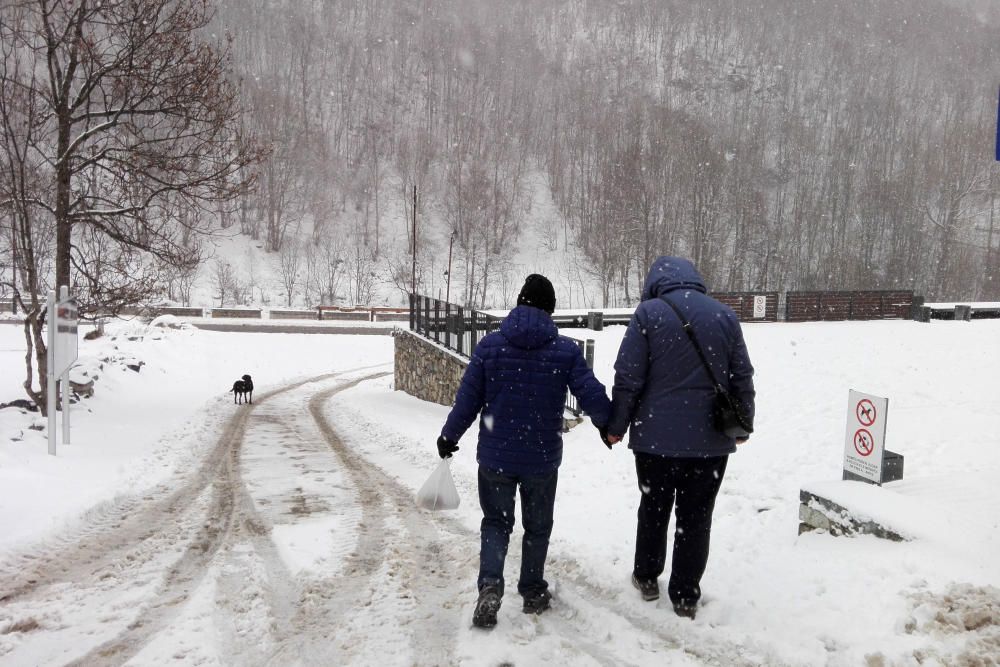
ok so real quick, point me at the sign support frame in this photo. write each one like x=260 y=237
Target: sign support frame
x=62 y=319
x=50 y=372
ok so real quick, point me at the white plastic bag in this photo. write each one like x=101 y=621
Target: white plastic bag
x=439 y=492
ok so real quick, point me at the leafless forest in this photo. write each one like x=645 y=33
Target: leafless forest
x=781 y=144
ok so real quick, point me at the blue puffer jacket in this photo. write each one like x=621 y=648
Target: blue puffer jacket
x=662 y=391
x=517 y=378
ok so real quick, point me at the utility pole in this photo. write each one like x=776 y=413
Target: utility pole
x=414 y=276
x=14 y=265
x=451 y=244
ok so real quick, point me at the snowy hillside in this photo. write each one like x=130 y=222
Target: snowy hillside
x=544 y=245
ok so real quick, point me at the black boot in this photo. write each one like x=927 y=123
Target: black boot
x=686 y=609
x=649 y=589
x=485 y=615
x=536 y=603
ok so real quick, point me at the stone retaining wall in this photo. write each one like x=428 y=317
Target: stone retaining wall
x=426 y=370
x=285 y=314
x=246 y=313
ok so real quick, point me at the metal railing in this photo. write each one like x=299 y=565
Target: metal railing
x=587 y=347
x=455 y=327
x=459 y=329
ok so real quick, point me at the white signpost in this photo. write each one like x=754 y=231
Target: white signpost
x=759 y=307
x=63 y=349
x=864 y=446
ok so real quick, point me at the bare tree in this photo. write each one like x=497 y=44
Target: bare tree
x=361 y=269
x=30 y=231
x=185 y=284
x=133 y=114
x=290 y=259
x=225 y=282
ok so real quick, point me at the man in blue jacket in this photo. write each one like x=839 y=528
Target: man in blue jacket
x=517 y=379
x=663 y=395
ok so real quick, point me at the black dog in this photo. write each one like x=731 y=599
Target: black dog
x=243 y=389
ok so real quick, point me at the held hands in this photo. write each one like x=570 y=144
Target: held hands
x=607 y=439
x=446 y=447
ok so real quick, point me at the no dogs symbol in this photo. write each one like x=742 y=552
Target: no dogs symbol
x=864 y=443
x=865 y=412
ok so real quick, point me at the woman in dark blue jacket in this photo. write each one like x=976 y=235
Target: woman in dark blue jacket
x=663 y=395
x=516 y=383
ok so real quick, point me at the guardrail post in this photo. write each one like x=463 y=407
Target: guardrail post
x=437 y=321
x=588 y=352
x=448 y=326
x=473 y=331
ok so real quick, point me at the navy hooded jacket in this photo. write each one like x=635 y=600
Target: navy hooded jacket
x=517 y=378
x=662 y=391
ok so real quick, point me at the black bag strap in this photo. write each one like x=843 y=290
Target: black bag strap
x=689 y=330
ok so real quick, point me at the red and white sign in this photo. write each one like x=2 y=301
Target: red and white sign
x=865 y=442
x=866 y=412
x=759 y=307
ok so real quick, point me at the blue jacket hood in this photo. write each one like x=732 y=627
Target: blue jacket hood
x=670 y=273
x=528 y=328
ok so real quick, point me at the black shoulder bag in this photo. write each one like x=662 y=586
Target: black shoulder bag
x=727 y=413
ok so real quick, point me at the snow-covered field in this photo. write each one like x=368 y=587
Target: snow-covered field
x=342 y=460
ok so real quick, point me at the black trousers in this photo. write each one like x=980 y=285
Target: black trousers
x=692 y=484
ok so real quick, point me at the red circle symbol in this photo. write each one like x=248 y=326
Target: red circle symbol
x=864 y=443
x=865 y=412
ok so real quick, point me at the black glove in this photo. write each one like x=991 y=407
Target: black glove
x=603 y=430
x=446 y=447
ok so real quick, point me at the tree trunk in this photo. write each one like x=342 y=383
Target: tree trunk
x=64 y=226
x=35 y=342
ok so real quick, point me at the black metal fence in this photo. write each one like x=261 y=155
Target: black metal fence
x=587 y=347
x=459 y=329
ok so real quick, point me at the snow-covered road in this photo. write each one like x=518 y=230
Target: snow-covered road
x=205 y=550
x=284 y=547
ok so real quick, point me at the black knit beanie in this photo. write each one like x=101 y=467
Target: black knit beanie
x=538 y=292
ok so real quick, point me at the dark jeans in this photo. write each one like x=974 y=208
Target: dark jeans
x=693 y=483
x=496 y=497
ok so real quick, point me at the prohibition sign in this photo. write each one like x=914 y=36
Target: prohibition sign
x=865 y=412
x=864 y=443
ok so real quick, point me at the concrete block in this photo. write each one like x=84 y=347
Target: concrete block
x=817 y=513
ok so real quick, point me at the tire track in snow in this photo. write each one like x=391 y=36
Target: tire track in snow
x=389 y=586
x=230 y=515
x=425 y=551
x=125 y=543
x=595 y=617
